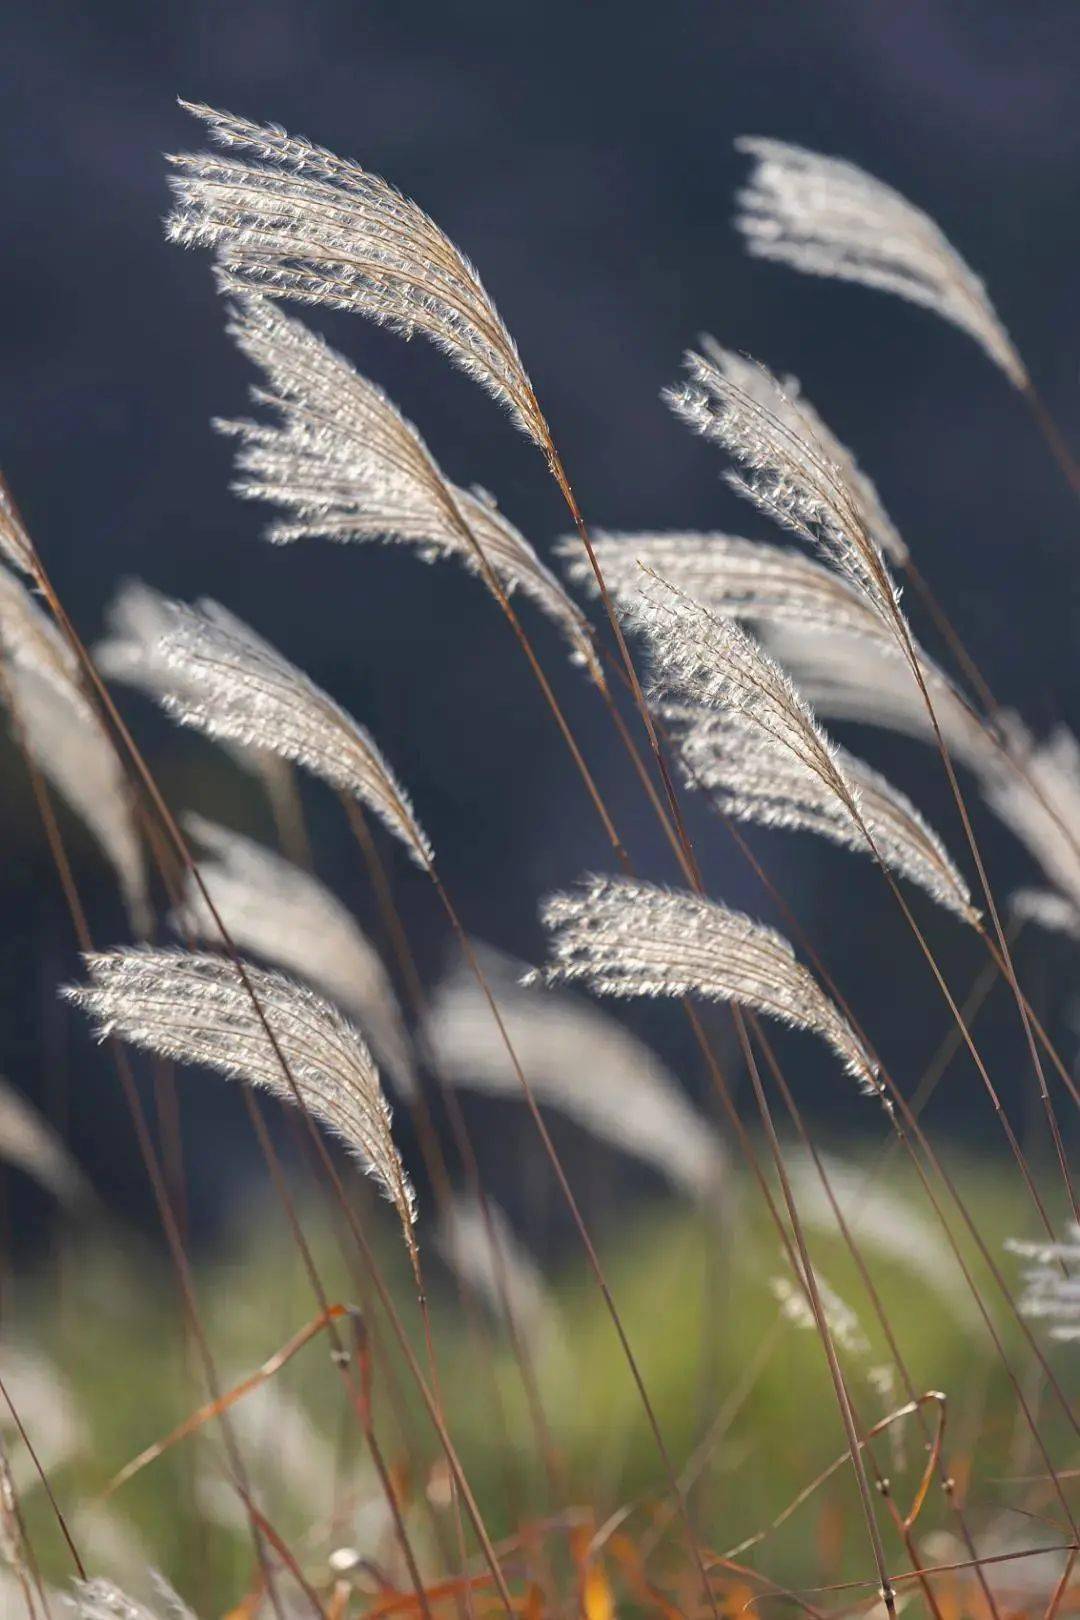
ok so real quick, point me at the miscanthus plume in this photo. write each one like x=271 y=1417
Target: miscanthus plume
x=230 y=683
x=828 y=217
x=579 y=1062
x=343 y=463
x=747 y=735
x=291 y=220
x=629 y=939
x=286 y=916
x=58 y=726
x=197 y=1009
x=101 y=1600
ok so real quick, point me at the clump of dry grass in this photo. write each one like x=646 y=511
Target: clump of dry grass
x=748 y=643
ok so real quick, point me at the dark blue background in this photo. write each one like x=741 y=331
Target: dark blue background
x=582 y=155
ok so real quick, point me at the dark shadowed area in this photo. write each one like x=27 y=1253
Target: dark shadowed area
x=582 y=155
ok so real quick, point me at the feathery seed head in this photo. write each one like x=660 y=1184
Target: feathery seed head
x=346 y=465
x=828 y=217
x=1052 y=1280
x=233 y=685
x=624 y=938
x=294 y=221
x=579 y=1062
x=788 y=473
x=287 y=916
x=196 y=1008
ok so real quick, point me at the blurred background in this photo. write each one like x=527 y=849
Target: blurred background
x=582 y=156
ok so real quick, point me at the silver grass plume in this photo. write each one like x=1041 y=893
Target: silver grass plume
x=827 y=217
x=624 y=938
x=1052 y=1283
x=743 y=579
x=30 y=639
x=15 y=544
x=784 y=395
x=1040 y=804
x=881 y=1217
x=578 y=1061
x=844 y=1326
x=65 y=738
x=809 y=614
x=1047 y=910
x=750 y=778
x=1033 y=789
x=790 y=475
x=196 y=1009
x=138 y=619
x=747 y=735
x=493 y=1264
x=101 y=1600
x=30 y=1143
x=286 y=916
x=295 y=221
x=234 y=686
x=346 y=465
x=849 y=677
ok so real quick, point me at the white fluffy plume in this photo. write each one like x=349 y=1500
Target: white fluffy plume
x=830 y=218
x=785 y=398
x=747 y=735
x=743 y=579
x=854 y=678
x=493 y=1264
x=69 y=744
x=753 y=779
x=15 y=544
x=60 y=727
x=30 y=1143
x=577 y=1061
x=234 y=686
x=196 y=1009
x=286 y=916
x=624 y=938
x=790 y=475
x=294 y=221
x=138 y=620
x=1040 y=802
x=819 y=625
x=344 y=463
x=101 y=1600
x=1052 y=1283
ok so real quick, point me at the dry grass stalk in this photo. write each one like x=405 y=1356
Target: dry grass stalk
x=623 y=938
x=829 y=218
x=295 y=221
x=196 y=1009
x=579 y=1062
x=346 y=465
x=286 y=916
